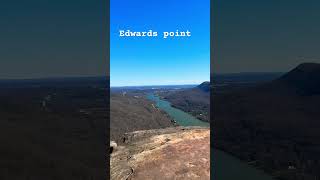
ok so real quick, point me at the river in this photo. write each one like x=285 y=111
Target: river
x=225 y=166
x=182 y=118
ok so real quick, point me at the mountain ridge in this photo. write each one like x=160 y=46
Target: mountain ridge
x=305 y=78
x=274 y=124
x=195 y=101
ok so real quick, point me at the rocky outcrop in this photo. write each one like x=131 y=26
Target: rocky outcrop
x=171 y=153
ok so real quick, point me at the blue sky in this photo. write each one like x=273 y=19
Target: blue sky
x=158 y=61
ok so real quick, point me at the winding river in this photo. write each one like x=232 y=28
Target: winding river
x=182 y=118
x=225 y=166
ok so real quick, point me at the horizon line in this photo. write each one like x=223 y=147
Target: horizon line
x=157 y=85
x=108 y=76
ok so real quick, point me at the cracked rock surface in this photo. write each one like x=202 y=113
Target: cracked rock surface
x=170 y=153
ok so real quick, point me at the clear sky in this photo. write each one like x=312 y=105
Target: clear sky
x=68 y=38
x=57 y=38
x=158 y=61
x=264 y=36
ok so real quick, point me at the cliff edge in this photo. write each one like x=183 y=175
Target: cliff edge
x=170 y=153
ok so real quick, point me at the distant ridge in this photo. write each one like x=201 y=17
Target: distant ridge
x=205 y=86
x=275 y=124
x=193 y=100
x=55 y=82
x=305 y=79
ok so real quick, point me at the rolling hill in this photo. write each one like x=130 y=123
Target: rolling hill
x=274 y=125
x=195 y=101
x=129 y=113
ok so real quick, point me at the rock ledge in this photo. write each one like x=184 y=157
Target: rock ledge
x=171 y=153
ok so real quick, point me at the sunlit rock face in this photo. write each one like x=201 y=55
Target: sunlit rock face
x=171 y=153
